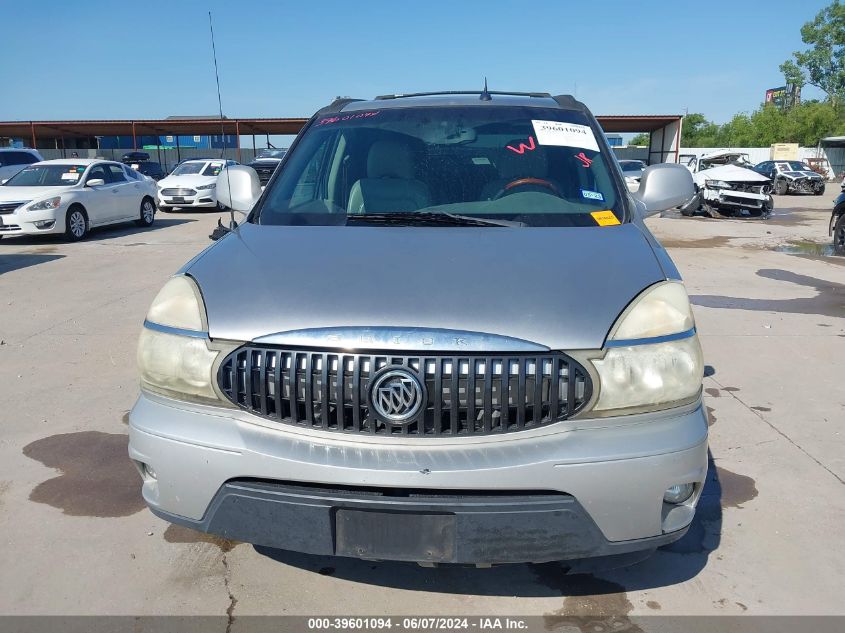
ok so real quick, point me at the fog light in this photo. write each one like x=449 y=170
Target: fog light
x=45 y=224
x=678 y=493
x=149 y=471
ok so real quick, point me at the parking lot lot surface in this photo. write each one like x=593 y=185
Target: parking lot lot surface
x=767 y=539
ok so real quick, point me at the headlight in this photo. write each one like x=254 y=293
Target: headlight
x=654 y=359
x=174 y=357
x=43 y=205
x=717 y=184
x=206 y=187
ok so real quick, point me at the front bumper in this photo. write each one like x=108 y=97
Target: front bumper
x=202 y=198
x=24 y=222
x=729 y=199
x=563 y=492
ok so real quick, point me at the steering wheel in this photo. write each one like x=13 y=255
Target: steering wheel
x=523 y=182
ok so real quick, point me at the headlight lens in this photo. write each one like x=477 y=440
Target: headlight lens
x=43 y=205
x=178 y=304
x=654 y=356
x=174 y=358
x=717 y=184
x=177 y=366
x=205 y=187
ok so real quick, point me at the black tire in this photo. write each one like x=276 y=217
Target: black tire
x=781 y=187
x=165 y=209
x=148 y=213
x=819 y=191
x=839 y=236
x=76 y=224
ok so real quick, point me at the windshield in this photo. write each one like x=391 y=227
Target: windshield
x=271 y=153
x=510 y=165
x=197 y=167
x=740 y=160
x=47 y=176
x=793 y=165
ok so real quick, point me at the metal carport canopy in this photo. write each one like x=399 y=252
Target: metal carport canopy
x=139 y=127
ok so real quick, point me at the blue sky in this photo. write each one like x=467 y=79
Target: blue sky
x=95 y=59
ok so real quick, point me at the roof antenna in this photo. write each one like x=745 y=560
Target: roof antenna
x=232 y=224
x=485 y=95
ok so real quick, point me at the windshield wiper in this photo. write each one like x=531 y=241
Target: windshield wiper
x=423 y=218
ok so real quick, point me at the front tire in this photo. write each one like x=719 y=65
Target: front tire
x=148 y=213
x=76 y=224
x=819 y=190
x=781 y=187
x=839 y=236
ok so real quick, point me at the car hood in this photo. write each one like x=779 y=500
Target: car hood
x=729 y=173
x=559 y=287
x=13 y=194
x=188 y=180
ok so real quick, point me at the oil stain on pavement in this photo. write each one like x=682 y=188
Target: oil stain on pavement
x=591 y=604
x=736 y=489
x=181 y=534
x=97 y=477
x=828 y=301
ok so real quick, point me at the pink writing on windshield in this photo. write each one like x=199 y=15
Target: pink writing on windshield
x=522 y=146
x=584 y=160
x=346 y=117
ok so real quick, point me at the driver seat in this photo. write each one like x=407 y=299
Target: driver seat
x=390 y=184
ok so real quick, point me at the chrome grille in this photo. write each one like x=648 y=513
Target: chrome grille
x=8 y=207
x=466 y=395
x=178 y=192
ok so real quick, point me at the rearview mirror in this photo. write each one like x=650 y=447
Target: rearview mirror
x=238 y=188
x=664 y=186
x=95 y=182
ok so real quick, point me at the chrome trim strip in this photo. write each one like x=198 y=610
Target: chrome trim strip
x=404 y=339
x=649 y=341
x=166 y=329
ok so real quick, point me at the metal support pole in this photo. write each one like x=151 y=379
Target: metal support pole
x=178 y=153
x=32 y=129
x=238 y=138
x=134 y=138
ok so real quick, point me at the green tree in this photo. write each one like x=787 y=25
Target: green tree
x=823 y=64
x=640 y=139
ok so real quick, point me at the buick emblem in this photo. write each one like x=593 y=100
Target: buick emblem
x=396 y=395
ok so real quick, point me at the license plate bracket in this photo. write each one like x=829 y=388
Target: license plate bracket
x=178 y=199
x=407 y=536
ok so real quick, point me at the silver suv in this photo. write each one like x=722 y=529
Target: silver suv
x=441 y=334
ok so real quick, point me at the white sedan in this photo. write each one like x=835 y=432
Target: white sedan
x=72 y=196
x=191 y=184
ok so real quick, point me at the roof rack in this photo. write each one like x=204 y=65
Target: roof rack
x=462 y=92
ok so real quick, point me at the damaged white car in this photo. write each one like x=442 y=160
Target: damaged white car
x=727 y=185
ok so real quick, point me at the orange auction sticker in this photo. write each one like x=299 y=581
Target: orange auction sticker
x=605 y=218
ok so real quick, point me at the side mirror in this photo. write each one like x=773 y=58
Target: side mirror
x=664 y=186
x=238 y=188
x=95 y=182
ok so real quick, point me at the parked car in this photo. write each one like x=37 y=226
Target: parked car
x=266 y=162
x=632 y=171
x=727 y=184
x=149 y=168
x=192 y=184
x=447 y=338
x=71 y=196
x=791 y=176
x=837 y=223
x=134 y=157
x=12 y=160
